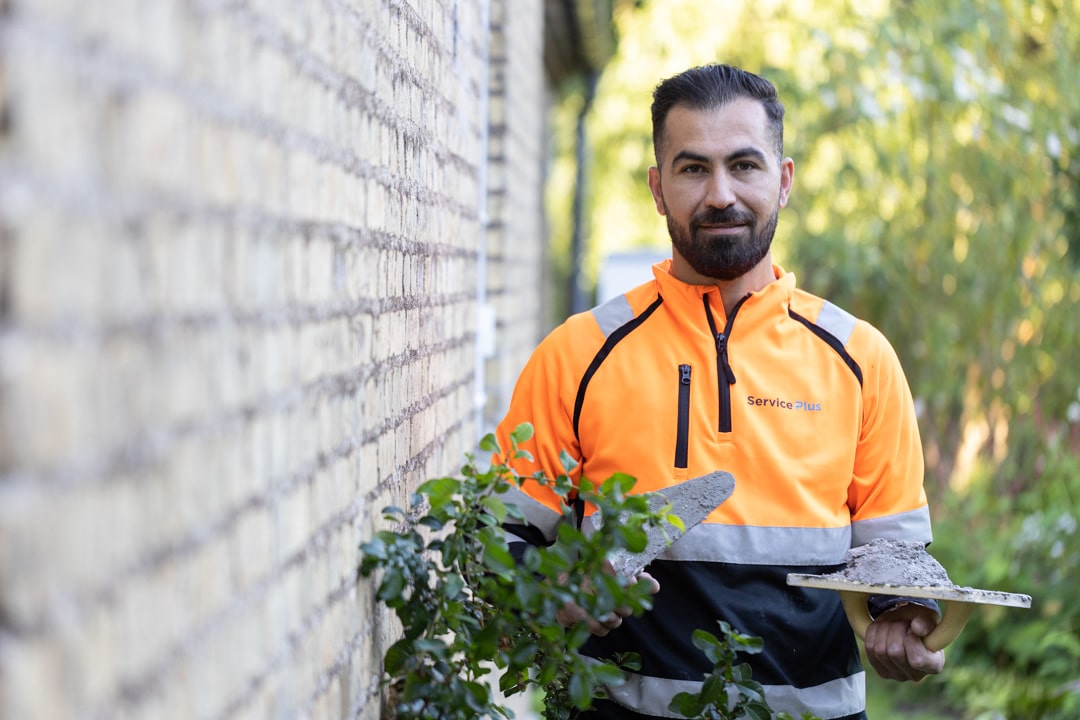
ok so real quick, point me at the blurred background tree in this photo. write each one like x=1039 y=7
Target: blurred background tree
x=937 y=195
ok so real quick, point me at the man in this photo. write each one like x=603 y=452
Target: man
x=722 y=363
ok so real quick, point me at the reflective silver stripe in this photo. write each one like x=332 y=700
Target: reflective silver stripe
x=510 y=537
x=839 y=323
x=834 y=699
x=651 y=695
x=763 y=545
x=913 y=525
x=613 y=314
x=539 y=515
x=755 y=545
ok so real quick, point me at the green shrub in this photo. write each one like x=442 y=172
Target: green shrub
x=1017 y=530
x=729 y=691
x=467 y=607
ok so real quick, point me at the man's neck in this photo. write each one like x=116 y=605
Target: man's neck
x=731 y=291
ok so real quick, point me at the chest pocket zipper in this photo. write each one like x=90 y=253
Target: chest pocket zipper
x=682 y=432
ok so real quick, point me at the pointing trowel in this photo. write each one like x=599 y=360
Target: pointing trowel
x=692 y=501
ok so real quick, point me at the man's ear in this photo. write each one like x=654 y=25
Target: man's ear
x=657 y=190
x=787 y=178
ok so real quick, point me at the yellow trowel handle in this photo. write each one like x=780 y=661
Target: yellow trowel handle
x=954 y=618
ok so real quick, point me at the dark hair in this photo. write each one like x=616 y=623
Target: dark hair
x=711 y=86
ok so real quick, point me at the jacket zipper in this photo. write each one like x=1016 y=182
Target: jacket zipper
x=682 y=437
x=725 y=375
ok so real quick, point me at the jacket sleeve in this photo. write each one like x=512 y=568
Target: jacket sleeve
x=543 y=396
x=886 y=495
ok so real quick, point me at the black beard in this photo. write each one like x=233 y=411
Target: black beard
x=723 y=258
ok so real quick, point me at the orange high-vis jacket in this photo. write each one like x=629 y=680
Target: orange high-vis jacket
x=805 y=405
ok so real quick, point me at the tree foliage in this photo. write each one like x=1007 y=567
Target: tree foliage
x=937 y=195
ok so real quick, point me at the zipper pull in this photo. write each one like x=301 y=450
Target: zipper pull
x=684 y=374
x=721 y=352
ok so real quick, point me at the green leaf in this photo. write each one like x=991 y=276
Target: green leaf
x=524 y=653
x=686 y=704
x=375 y=548
x=522 y=433
x=511 y=682
x=676 y=521
x=485 y=644
x=453 y=586
x=564 y=486
x=514 y=512
x=634 y=538
x=477 y=696
x=431 y=522
x=433 y=646
x=748 y=644
x=394 y=513
x=749 y=688
x=533 y=559
x=628 y=660
x=392 y=584
x=568 y=463
x=397 y=656
x=415 y=619
x=704 y=640
x=713 y=691
x=608 y=674
x=625 y=483
x=439 y=490
x=527 y=591
x=496 y=507
x=497 y=558
x=757 y=711
x=546 y=673
x=581 y=690
x=489 y=444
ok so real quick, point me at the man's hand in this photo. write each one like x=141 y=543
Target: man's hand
x=894 y=644
x=571 y=613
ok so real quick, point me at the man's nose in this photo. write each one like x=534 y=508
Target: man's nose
x=720 y=191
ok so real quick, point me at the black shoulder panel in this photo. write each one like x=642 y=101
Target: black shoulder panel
x=612 y=340
x=833 y=342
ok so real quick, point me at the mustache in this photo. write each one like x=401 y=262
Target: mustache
x=722 y=216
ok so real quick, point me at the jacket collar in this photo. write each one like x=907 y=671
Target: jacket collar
x=685 y=296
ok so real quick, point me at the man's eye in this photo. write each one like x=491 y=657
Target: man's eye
x=693 y=169
x=744 y=166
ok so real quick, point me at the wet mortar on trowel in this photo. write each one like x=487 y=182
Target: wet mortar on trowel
x=893 y=562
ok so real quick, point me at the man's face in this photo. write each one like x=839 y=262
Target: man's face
x=721 y=187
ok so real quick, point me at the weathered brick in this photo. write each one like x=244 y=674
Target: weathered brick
x=240 y=237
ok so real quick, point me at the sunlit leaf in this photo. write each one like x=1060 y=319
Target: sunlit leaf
x=676 y=521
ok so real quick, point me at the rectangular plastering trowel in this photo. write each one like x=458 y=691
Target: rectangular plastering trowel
x=888 y=567
x=692 y=500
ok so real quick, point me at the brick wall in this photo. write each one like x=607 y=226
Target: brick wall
x=516 y=230
x=245 y=250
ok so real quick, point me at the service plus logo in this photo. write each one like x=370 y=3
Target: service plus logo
x=782 y=404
